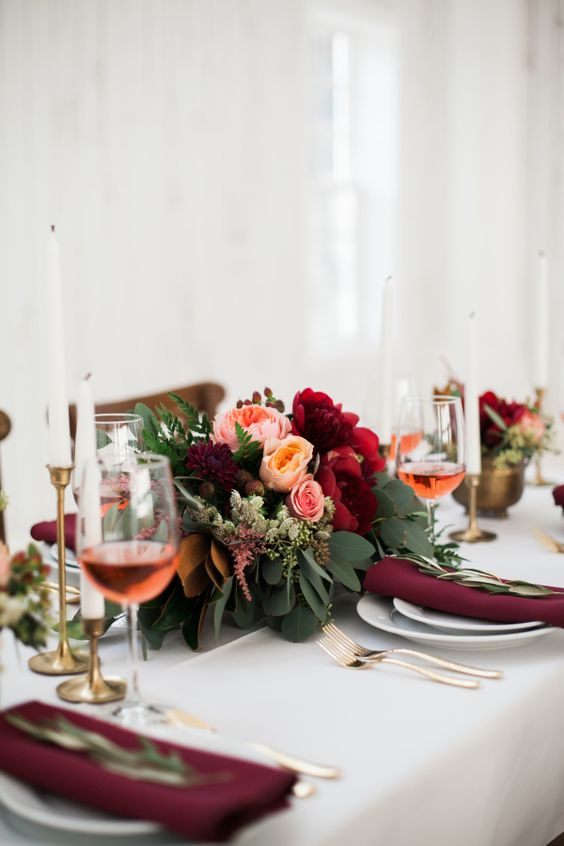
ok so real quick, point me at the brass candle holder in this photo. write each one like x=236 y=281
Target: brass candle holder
x=61 y=661
x=93 y=688
x=473 y=533
x=539 y=481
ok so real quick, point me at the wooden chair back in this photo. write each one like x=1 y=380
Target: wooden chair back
x=5 y=426
x=205 y=396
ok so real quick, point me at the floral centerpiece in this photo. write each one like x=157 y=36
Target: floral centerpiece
x=24 y=602
x=510 y=432
x=277 y=510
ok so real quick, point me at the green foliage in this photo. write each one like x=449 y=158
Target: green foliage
x=249 y=450
x=399 y=526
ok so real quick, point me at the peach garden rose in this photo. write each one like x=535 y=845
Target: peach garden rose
x=261 y=422
x=306 y=500
x=285 y=462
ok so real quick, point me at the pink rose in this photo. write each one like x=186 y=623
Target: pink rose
x=306 y=500
x=285 y=462
x=532 y=426
x=259 y=421
x=4 y=566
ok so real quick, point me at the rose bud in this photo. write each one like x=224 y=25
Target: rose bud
x=239 y=403
x=268 y=392
x=254 y=488
x=256 y=397
x=206 y=490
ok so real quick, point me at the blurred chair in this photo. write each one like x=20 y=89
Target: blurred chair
x=205 y=396
x=5 y=426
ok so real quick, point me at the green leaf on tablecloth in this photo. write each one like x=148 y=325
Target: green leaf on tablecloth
x=271 y=570
x=299 y=624
x=347 y=546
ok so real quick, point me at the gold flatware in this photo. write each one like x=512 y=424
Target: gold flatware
x=283 y=759
x=548 y=541
x=72 y=594
x=338 y=636
x=347 y=658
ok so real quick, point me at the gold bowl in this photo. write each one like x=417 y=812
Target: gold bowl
x=498 y=489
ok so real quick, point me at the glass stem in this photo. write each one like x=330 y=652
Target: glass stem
x=431 y=506
x=134 y=697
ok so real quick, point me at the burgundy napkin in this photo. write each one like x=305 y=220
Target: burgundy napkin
x=48 y=531
x=400 y=578
x=558 y=494
x=208 y=812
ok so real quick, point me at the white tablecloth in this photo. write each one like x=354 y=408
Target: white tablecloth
x=422 y=763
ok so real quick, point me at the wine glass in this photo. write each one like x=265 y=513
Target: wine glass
x=430 y=454
x=117 y=435
x=128 y=539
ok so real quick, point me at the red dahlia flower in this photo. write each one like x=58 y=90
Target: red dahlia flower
x=510 y=412
x=320 y=421
x=212 y=463
x=340 y=477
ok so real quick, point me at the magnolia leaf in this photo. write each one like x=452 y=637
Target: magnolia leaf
x=272 y=570
x=347 y=546
x=313 y=599
x=300 y=624
x=174 y=610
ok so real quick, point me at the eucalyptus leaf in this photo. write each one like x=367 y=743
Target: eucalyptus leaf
x=272 y=570
x=313 y=599
x=313 y=577
x=493 y=415
x=393 y=533
x=417 y=540
x=280 y=602
x=219 y=605
x=299 y=624
x=386 y=505
x=244 y=612
x=402 y=495
x=344 y=573
x=317 y=568
x=348 y=546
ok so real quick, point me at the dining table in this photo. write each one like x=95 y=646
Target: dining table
x=421 y=762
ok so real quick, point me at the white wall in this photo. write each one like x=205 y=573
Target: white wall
x=169 y=142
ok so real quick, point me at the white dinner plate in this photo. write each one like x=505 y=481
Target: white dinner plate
x=442 y=620
x=380 y=612
x=70 y=557
x=45 y=809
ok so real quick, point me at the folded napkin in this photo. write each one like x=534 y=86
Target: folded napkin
x=212 y=811
x=48 y=531
x=558 y=494
x=400 y=578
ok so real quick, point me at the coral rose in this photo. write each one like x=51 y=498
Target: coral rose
x=259 y=421
x=532 y=426
x=5 y=566
x=306 y=500
x=285 y=462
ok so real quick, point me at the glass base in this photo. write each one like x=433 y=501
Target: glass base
x=139 y=714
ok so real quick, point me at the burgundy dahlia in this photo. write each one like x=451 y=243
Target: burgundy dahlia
x=320 y=421
x=212 y=463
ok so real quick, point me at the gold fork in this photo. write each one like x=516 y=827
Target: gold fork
x=548 y=541
x=337 y=635
x=346 y=658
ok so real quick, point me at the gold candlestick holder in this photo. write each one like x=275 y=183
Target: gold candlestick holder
x=473 y=533
x=61 y=661
x=539 y=481
x=93 y=688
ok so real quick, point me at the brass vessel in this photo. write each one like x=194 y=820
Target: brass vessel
x=498 y=489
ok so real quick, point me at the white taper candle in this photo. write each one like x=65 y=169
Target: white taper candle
x=59 y=431
x=471 y=402
x=541 y=340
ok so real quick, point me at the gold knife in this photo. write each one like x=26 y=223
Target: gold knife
x=548 y=541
